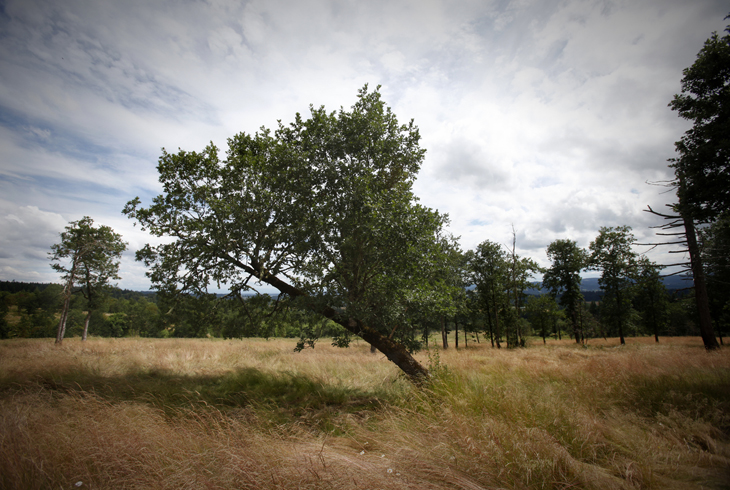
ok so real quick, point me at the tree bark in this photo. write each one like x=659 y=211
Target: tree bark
x=394 y=351
x=86 y=325
x=698 y=276
x=444 y=335
x=574 y=321
x=620 y=320
x=62 y=322
x=64 y=313
x=456 y=335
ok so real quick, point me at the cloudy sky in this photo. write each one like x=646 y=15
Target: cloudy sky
x=549 y=116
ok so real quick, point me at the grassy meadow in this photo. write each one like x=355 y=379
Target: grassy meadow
x=251 y=414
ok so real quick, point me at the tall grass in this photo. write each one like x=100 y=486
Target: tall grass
x=139 y=413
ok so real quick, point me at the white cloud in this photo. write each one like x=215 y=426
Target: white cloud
x=26 y=238
x=547 y=115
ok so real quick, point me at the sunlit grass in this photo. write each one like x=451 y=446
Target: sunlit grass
x=150 y=413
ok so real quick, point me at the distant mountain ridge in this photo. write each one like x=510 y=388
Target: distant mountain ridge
x=590 y=285
x=672 y=282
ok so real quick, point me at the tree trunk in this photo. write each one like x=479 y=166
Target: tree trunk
x=444 y=335
x=62 y=323
x=456 y=334
x=68 y=291
x=86 y=325
x=620 y=320
x=497 y=331
x=654 y=321
x=64 y=313
x=698 y=276
x=491 y=328
x=581 y=306
x=394 y=351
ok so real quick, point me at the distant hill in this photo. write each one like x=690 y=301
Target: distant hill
x=16 y=287
x=592 y=291
x=671 y=283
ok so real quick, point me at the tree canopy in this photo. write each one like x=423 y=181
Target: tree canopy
x=703 y=165
x=321 y=209
x=611 y=253
x=563 y=277
x=702 y=168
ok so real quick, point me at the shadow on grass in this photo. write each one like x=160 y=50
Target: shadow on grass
x=289 y=393
x=697 y=394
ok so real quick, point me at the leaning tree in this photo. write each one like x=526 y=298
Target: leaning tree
x=322 y=210
x=702 y=165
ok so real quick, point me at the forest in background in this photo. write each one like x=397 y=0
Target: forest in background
x=32 y=310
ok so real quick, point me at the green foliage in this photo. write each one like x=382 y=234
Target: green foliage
x=93 y=253
x=500 y=280
x=563 y=277
x=4 y=309
x=439 y=371
x=543 y=313
x=703 y=166
x=87 y=257
x=118 y=325
x=611 y=253
x=715 y=241
x=488 y=267
x=680 y=317
x=192 y=316
x=651 y=298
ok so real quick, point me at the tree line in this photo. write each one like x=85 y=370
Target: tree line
x=33 y=310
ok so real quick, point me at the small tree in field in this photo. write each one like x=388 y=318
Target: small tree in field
x=563 y=278
x=489 y=274
x=87 y=258
x=611 y=253
x=651 y=298
x=542 y=312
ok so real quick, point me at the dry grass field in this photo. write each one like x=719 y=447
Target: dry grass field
x=213 y=414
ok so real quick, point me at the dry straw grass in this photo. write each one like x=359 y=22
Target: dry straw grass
x=140 y=413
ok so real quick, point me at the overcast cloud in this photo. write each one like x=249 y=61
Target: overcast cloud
x=549 y=116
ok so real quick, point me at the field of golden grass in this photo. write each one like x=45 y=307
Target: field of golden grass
x=213 y=414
